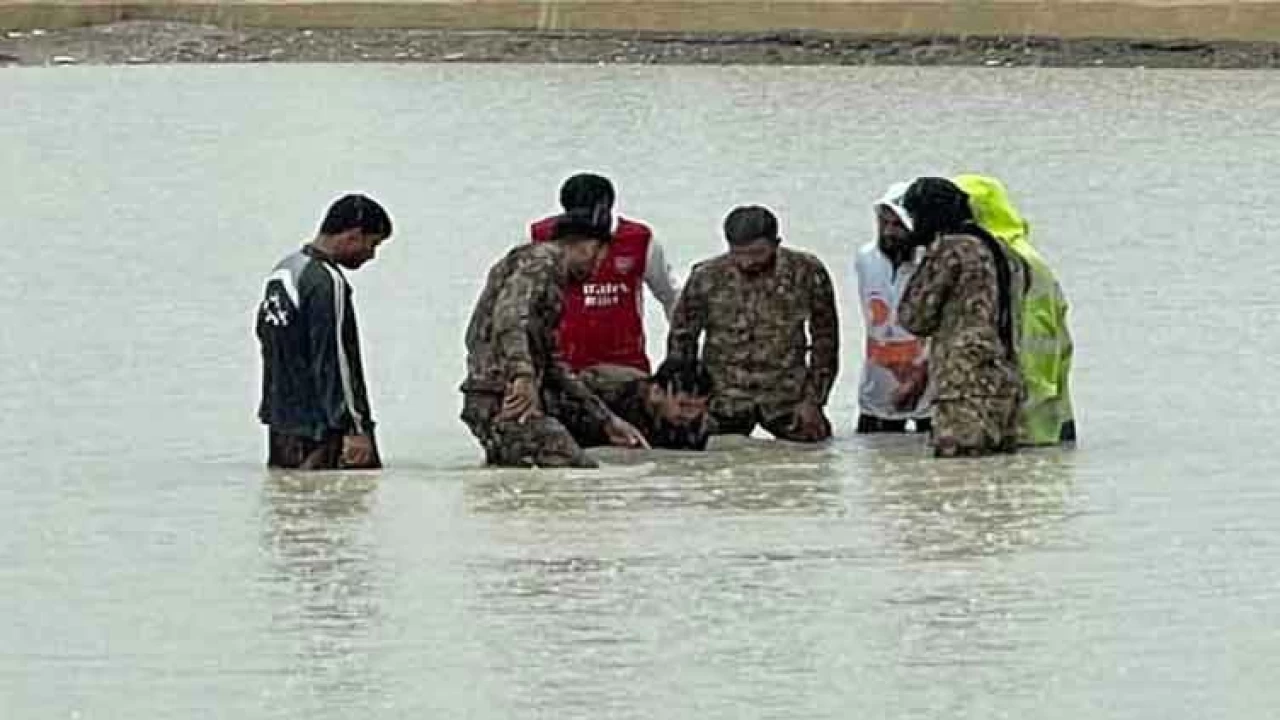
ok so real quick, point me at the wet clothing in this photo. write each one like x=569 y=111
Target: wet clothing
x=313 y=384
x=603 y=322
x=871 y=425
x=976 y=426
x=300 y=453
x=625 y=391
x=1045 y=346
x=770 y=340
x=543 y=441
x=966 y=297
x=511 y=335
x=780 y=426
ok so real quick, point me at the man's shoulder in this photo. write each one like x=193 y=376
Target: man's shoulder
x=540 y=230
x=868 y=249
x=632 y=226
x=610 y=375
x=965 y=248
x=302 y=273
x=868 y=256
x=529 y=262
x=294 y=262
x=614 y=384
x=959 y=240
x=535 y=255
x=711 y=267
x=803 y=259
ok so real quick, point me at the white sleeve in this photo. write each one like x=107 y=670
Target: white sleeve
x=860 y=277
x=658 y=276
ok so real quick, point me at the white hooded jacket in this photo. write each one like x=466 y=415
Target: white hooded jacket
x=890 y=349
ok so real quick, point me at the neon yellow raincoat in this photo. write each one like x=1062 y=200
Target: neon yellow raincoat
x=1045 y=348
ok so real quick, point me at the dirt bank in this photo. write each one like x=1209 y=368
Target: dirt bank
x=164 y=42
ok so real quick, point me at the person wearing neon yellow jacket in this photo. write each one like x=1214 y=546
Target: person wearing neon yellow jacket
x=1045 y=348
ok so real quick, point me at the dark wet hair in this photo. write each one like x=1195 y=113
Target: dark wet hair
x=683 y=376
x=937 y=205
x=587 y=191
x=748 y=223
x=356 y=212
x=582 y=224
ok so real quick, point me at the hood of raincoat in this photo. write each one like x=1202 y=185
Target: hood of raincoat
x=995 y=212
x=892 y=199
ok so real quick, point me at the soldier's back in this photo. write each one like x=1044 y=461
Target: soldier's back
x=969 y=355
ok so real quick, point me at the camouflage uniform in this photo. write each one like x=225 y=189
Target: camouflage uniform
x=512 y=334
x=762 y=362
x=954 y=298
x=624 y=391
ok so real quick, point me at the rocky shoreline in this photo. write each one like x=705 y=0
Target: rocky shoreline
x=140 y=42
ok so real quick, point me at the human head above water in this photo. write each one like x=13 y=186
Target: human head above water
x=352 y=229
x=680 y=393
x=585 y=239
x=752 y=234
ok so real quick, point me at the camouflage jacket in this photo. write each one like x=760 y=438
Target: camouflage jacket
x=512 y=330
x=954 y=298
x=771 y=340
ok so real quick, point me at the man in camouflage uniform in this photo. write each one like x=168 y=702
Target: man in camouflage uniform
x=670 y=408
x=518 y=398
x=966 y=295
x=771 y=333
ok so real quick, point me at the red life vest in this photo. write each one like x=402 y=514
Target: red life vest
x=603 y=320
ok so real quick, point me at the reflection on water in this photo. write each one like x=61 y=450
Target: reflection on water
x=969 y=608
x=966 y=508
x=735 y=475
x=759 y=580
x=323 y=570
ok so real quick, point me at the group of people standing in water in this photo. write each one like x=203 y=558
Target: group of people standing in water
x=966 y=335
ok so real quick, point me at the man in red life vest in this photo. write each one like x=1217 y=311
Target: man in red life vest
x=603 y=322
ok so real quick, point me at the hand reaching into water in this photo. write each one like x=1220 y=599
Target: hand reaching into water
x=624 y=434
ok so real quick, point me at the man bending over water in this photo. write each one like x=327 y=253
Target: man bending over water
x=520 y=400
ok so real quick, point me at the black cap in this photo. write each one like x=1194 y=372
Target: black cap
x=583 y=224
x=586 y=190
x=748 y=223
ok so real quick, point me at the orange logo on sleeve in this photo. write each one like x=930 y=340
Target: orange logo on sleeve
x=878 y=311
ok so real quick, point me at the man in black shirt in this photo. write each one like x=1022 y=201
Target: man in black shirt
x=314 y=400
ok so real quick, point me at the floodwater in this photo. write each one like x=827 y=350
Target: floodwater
x=151 y=568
